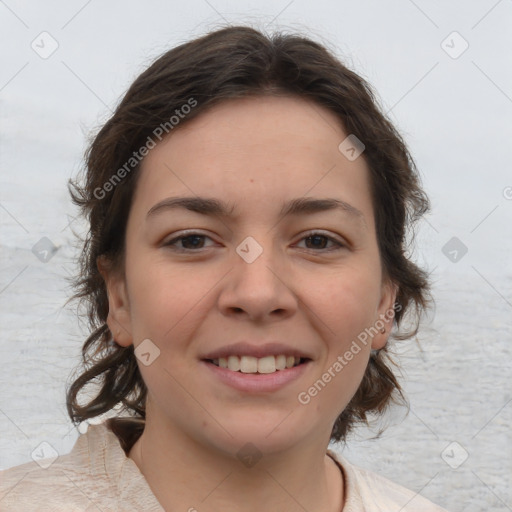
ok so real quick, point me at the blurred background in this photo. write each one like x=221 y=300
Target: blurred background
x=440 y=72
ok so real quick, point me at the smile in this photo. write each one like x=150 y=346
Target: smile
x=251 y=380
x=249 y=364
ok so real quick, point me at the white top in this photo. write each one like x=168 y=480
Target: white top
x=98 y=476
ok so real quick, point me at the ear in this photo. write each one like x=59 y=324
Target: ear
x=385 y=314
x=119 y=318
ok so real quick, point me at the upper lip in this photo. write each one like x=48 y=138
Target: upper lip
x=256 y=350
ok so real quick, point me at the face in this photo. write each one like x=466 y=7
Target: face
x=261 y=265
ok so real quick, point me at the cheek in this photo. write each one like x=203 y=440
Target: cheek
x=166 y=301
x=343 y=306
x=346 y=304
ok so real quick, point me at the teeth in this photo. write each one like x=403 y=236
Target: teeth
x=267 y=364
x=249 y=364
x=233 y=363
x=280 y=362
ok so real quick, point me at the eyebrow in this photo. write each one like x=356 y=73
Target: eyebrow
x=299 y=206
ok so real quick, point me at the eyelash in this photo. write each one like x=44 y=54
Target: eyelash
x=310 y=234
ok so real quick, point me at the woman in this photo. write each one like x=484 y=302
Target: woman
x=245 y=266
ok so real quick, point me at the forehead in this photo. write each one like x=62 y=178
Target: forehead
x=256 y=153
x=284 y=126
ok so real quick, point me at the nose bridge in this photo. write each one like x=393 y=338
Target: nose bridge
x=257 y=284
x=256 y=263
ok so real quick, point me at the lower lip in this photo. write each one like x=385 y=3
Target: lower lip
x=257 y=382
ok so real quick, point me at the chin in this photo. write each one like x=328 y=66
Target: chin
x=267 y=434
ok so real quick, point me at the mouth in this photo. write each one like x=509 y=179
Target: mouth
x=258 y=365
x=257 y=376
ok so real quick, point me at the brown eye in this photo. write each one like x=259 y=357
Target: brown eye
x=188 y=242
x=317 y=240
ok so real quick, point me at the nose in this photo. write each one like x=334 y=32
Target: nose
x=259 y=290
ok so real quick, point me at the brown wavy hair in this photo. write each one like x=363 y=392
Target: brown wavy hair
x=229 y=63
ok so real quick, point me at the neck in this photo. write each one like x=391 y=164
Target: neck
x=186 y=475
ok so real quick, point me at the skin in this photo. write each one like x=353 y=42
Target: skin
x=255 y=154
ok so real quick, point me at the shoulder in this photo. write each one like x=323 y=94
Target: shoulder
x=92 y=477
x=33 y=487
x=366 y=490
